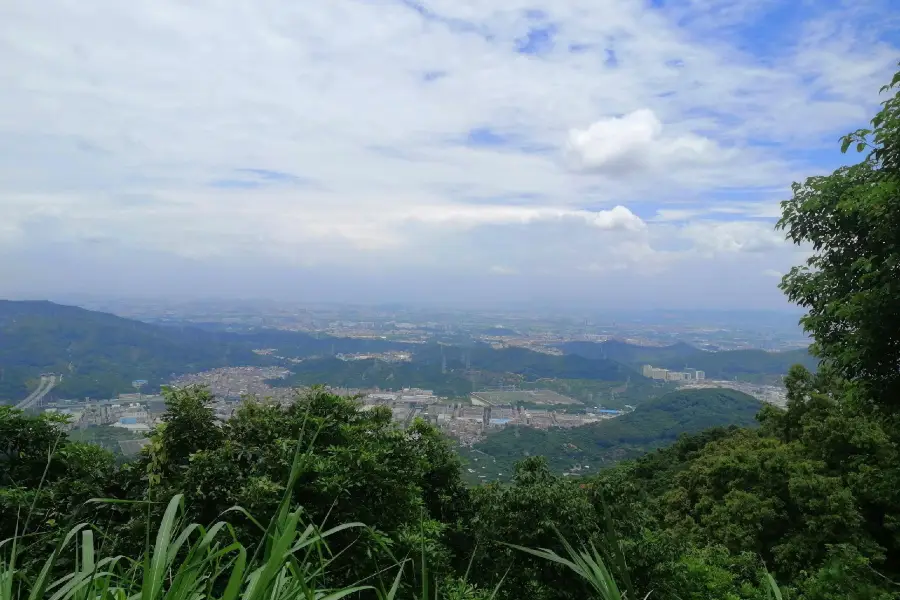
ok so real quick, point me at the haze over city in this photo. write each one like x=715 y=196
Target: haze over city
x=616 y=154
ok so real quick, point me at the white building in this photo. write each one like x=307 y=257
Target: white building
x=667 y=375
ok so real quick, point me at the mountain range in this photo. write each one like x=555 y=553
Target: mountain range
x=100 y=354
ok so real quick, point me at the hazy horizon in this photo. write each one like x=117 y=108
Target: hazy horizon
x=617 y=155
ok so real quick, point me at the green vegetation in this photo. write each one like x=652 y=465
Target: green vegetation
x=369 y=373
x=746 y=365
x=609 y=394
x=443 y=370
x=297 y=344
x=652 y=425
x=358 y=508
x=526 y=364
x=99 y=354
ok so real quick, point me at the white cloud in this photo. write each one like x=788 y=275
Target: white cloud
x=616 y=218
x=773 y=273
x=712 y=238
x=417 y=139
x=636 y=142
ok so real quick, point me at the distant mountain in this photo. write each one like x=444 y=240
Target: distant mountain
x=629 y=354
x=651 y=425
x=370 y=373
x=100 y=354
x=726 y=364
x=521 y=361
x=456 y=370
x=300 y=344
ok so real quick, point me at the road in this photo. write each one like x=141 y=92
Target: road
x=48 y=382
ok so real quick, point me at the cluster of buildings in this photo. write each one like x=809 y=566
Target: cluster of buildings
x=138 y=415
x=469 y=424
x=233 y=383
x=666 y=375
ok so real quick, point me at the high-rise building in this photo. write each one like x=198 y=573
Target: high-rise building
x=658 y=373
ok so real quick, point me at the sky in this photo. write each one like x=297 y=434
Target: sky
x=613 y=154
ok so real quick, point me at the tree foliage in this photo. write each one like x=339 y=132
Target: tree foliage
x=850 y=285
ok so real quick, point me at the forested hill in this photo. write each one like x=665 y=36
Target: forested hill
x=100 y=354
x=726 y=364
x=301 y=344
x=454 y=371
x=651 y=425
x=530 y=364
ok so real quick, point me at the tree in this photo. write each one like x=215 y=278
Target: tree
x=26 y=445
x=851 y=283
x=189 y=426
x=532 y=512
x=45 y=479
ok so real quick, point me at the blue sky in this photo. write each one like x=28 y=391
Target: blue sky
x=577 y=152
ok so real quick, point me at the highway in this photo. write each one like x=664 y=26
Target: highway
x=48 y=382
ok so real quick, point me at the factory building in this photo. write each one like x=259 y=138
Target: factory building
x=660 y=374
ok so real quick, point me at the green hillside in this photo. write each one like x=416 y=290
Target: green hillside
x=726 y=364
x=301 y=344
x=100 y=354
x=630 y=354
x=654 y=424
x=443 y=369
x=370 y=373
x=529 y=364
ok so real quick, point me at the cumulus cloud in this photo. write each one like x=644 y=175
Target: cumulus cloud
x=636 y=142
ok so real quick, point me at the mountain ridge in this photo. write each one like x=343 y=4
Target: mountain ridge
x=723 y=364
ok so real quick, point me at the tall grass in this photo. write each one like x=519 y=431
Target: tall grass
x=193 y=562
x=587 y=564
x=188 y=562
